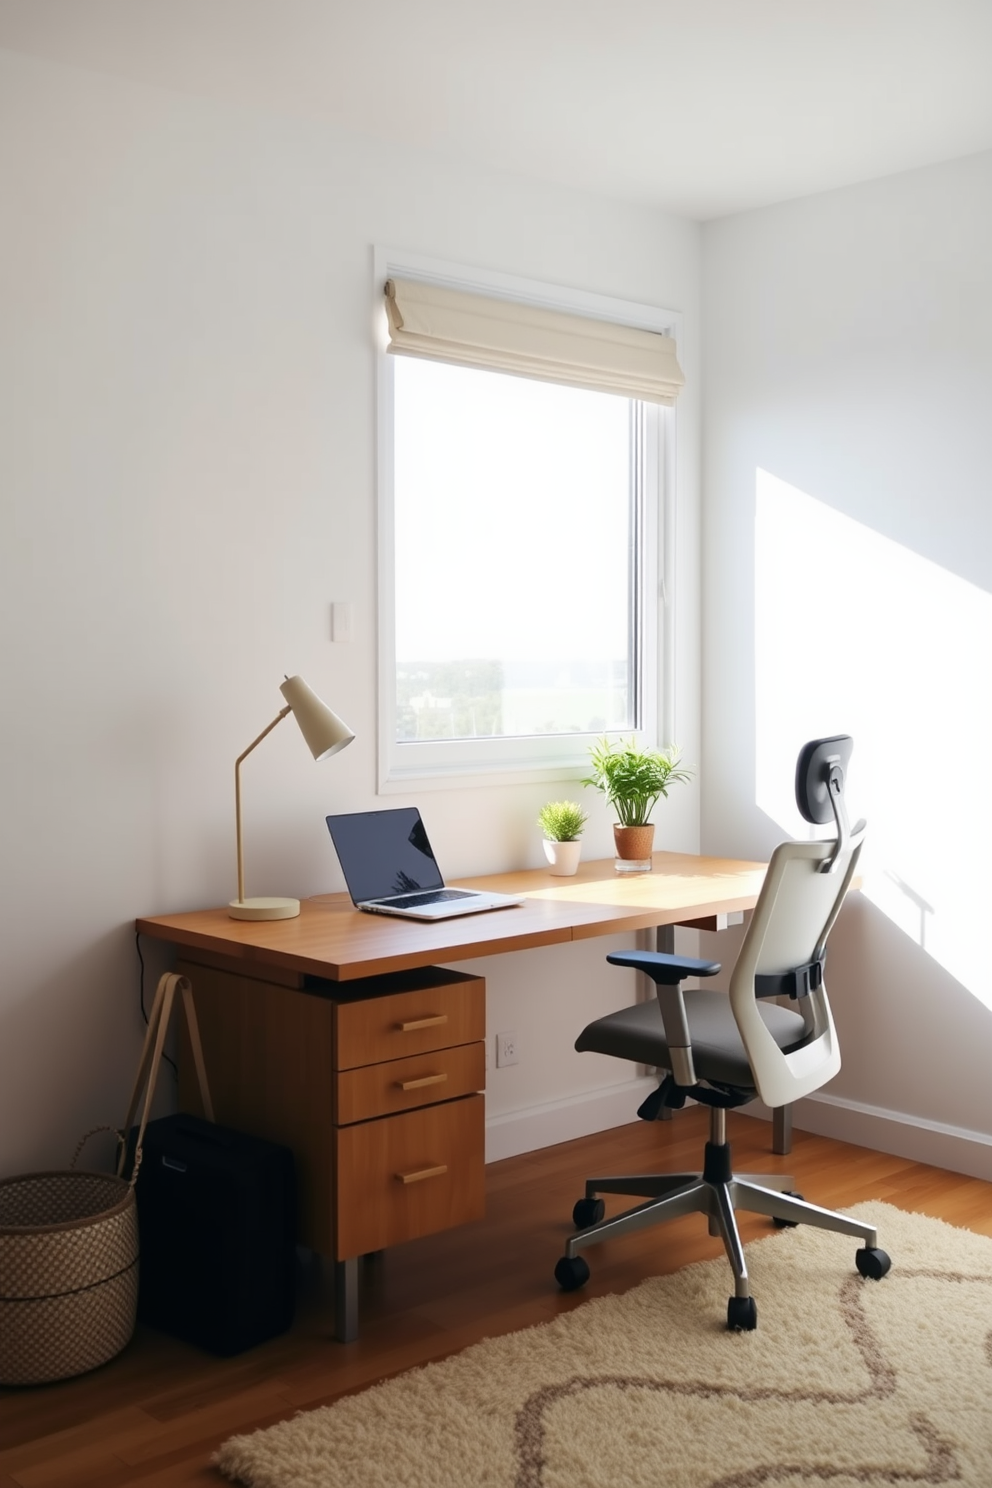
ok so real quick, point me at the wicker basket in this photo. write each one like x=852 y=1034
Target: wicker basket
x=68 y=1273
x=69 y=1240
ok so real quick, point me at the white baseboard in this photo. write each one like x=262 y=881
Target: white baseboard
x=952 y=1147
x=561 y=1120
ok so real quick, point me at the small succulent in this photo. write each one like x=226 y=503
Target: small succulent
x=562 y=821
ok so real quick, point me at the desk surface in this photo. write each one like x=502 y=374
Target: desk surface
x=334 y=940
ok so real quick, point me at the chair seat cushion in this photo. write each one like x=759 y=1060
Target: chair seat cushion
x=637 y=1033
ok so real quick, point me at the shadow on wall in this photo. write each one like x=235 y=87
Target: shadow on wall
x=913 y=1039
x=897 y=651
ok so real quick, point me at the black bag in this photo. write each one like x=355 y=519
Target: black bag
x=217 y=1220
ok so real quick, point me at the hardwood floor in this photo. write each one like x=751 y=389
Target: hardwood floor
x=154 y=1415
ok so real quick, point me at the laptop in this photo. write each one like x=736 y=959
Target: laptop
x=390 y=869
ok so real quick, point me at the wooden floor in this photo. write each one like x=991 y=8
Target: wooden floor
x=154 y=1415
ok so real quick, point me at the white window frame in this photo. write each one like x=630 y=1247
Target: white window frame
x=442 y=764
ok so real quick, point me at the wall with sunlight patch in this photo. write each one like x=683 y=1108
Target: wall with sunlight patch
x=847 y=574
x=897 y=652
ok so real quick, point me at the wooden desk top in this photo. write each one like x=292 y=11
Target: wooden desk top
x=332 y=939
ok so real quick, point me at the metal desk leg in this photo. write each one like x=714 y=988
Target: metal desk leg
x=782 y=1129
x=664 y=941
x=346 y=1300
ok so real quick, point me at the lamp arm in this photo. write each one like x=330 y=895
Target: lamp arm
x=237 y=794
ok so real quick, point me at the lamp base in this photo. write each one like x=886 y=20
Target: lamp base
x=263 y=909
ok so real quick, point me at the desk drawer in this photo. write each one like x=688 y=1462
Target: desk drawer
x=403 y=1084
x=370 y=1030
x=409 y=1175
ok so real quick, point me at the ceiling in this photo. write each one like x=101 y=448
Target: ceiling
x=702 y=107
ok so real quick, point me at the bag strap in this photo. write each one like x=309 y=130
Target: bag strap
x=196 y=1048
x=158 y=1023
x=93 y=1132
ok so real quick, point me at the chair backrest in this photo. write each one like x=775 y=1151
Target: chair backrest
x=799 y=901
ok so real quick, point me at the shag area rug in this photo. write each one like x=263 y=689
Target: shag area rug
x=845 y=1382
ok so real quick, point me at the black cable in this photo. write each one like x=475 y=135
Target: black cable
x=141 y=999
x=141 y=976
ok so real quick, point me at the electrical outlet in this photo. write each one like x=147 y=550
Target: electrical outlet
x=506 y=1049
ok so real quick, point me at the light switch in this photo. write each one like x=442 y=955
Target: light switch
x=341 y=621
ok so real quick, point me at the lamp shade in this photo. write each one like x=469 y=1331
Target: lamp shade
x=323 y=730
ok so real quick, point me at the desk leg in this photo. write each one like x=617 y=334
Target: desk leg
x=664 y=941
x=782 y=1129
x=346 y=1300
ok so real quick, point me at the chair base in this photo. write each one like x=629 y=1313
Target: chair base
x=716 y=1192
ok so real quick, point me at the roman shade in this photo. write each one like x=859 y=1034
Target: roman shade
x=451 y=325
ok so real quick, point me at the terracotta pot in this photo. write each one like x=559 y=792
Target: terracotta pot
x=634 y=846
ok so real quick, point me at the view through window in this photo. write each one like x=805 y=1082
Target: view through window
x=517 y=539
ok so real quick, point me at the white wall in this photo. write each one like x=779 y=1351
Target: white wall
x=847 y=562
x=186 y=484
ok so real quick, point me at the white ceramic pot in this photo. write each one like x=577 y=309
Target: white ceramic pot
x=563 y=856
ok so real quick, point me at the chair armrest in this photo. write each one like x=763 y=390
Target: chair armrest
x=667 y=972
x=663 y=969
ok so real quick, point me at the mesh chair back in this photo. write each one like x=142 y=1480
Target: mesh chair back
x=794 y=915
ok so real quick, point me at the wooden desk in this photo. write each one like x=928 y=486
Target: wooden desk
x=339 y=1034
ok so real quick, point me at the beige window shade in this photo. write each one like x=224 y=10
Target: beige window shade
x=449 y=325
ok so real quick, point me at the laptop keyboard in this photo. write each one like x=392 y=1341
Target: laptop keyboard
x=433 y=896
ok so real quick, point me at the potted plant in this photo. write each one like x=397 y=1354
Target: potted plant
x=562 y=823
x=633 y=780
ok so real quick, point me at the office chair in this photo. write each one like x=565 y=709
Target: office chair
x=724 y=1051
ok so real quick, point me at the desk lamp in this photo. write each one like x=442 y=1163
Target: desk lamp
x=325 y=735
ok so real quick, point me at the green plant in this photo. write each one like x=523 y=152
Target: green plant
x=562 y=821
x=633 y=779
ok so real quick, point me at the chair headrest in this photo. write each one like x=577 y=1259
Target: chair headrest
x=820 y=774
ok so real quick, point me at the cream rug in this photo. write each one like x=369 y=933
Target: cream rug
x=844 y=1382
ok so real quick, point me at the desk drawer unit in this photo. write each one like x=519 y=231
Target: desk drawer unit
x=409 y=1141
x=374 y=1086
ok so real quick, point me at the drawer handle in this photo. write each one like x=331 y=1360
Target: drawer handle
x=421 y=1173
x=424 y=1080
x=415 y=1023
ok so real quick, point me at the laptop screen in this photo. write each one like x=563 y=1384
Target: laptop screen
x=383 y=853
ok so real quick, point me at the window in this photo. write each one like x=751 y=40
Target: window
x=519 y=539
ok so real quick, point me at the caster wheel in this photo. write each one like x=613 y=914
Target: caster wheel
x=742 y=1314
x=588 y=1212
x=787 y=1224
x=872 y=1264
x=571 y=1272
